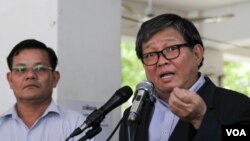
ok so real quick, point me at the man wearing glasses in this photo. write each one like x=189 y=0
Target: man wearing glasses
x=35 y=116
x=187 y=105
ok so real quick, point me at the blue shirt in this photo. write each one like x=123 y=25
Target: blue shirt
x=163 y=120
x=56 y=124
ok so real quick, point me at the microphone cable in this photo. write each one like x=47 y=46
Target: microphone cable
x=113 y=132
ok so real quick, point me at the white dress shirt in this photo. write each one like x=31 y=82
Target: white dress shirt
x=56 y=124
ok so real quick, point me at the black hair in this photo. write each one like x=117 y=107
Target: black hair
x=32 y=44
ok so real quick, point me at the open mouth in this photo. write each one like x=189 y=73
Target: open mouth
x=167 y=75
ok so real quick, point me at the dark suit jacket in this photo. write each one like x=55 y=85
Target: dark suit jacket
x=224 y=107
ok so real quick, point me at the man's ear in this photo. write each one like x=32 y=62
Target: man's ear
x=9 y=78
x=199 y=53
x=56 y=78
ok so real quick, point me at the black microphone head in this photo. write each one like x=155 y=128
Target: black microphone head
x=120 y=96
x=124 y=92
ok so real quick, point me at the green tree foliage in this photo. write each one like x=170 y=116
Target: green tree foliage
x=132 y=69
x=237 y=76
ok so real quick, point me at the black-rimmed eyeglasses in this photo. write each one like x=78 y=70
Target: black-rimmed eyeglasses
x=169 y=53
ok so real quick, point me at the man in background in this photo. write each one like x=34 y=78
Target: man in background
x=35 y=116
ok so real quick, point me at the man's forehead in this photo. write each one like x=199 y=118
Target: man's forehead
x=161 y=41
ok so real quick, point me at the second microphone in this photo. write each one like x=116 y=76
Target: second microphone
x=143 y=89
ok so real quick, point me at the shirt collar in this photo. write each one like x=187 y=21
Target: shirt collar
x=52 y=108
x=197 y=85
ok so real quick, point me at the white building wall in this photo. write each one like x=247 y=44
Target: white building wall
x=89 y=53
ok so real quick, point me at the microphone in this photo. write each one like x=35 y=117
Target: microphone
x=143 y=89
x=94 y=119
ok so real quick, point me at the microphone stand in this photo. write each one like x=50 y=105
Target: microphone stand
x=134 y=125
x=132 y=128
x=91 y=133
